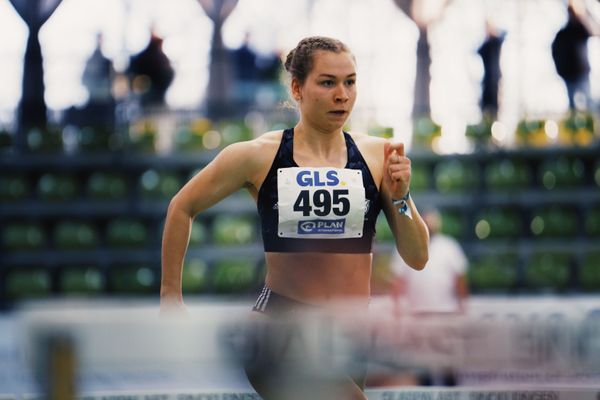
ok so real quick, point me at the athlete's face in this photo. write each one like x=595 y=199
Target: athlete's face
x=328 y=94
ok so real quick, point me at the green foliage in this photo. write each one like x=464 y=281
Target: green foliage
x=81 y=280
x=75 y=235
x=455 y=175
x=28 y=283
x=126 y=233
x=493 y=272
x=232 y=230
x=548 y=270
x=507 y=174
x=23 y=236
x=233 y=275
x=132 y=279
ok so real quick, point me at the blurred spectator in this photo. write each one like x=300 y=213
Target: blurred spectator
x=97 y=78
x=246 y=74
x=244 y=59
x=440 y=288
x=570 y=54
x=269 y=67
x=490 y=56
x=151 y=73
x=254 y=74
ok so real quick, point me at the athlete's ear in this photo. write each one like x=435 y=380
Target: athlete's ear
x=296 y=90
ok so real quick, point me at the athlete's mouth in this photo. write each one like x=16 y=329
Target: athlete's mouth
x=338 y=112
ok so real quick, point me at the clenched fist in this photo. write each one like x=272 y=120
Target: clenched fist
x=396 y=170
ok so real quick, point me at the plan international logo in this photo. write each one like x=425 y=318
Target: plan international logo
x=317 y=226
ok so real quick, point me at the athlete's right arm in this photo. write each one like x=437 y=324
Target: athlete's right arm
x=231 y=170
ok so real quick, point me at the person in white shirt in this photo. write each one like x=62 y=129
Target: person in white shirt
x=438 y=290
x=441 y=287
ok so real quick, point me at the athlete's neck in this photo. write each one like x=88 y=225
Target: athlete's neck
x=317 y=145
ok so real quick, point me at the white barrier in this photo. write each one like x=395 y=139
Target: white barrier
x=372 y=394
x=547 y=344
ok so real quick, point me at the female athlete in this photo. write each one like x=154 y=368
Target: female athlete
x=318 y=192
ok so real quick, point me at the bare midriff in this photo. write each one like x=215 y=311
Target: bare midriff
x=320 y=278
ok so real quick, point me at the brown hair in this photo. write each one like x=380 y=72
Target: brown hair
x=299 y=61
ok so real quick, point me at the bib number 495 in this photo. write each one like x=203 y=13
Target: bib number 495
x=323 y=202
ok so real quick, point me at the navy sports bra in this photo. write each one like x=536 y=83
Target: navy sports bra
x=269 y=217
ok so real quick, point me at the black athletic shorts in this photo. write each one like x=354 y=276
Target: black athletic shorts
x=275 y=305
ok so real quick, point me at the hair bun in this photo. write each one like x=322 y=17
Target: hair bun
x=289 y=59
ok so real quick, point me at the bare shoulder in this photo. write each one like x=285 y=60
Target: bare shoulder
x=268 y=139
x=255 y=151
x=238 y=165
x=255 y=157
x=369 y=146
x=264 y=147
x=368 y=140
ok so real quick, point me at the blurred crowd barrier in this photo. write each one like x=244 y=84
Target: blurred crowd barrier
x=503 y=345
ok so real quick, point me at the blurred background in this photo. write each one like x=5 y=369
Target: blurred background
x=107 y=107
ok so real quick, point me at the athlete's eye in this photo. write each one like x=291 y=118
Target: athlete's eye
x=351 y=82
x=327 y=83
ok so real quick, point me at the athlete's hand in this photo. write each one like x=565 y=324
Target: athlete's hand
x=396 y=170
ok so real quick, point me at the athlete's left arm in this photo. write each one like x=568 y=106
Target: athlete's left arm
x=410 y=231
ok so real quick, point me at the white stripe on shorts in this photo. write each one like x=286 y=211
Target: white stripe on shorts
x=263 y=299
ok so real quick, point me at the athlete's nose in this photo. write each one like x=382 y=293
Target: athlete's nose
x=341 y=94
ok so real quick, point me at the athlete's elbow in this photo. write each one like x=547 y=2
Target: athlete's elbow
x=420 y=265
x=178 y=205
x=174 y=204
x=417 y=262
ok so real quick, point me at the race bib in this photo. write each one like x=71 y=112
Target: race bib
x=320 y=203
